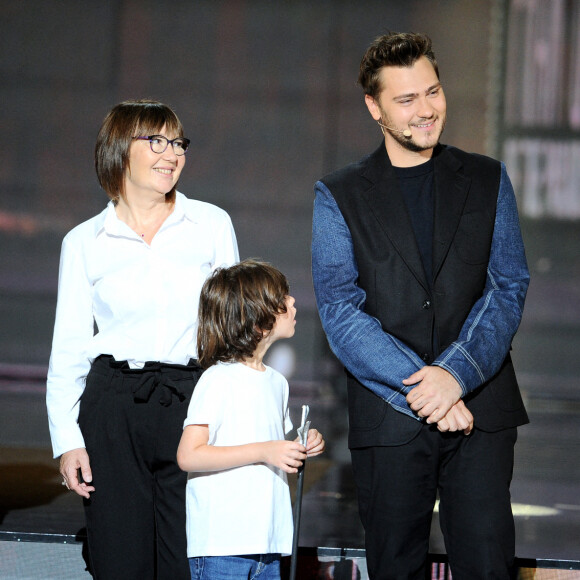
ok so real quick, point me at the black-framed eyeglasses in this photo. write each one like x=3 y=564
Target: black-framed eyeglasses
x=159 y=143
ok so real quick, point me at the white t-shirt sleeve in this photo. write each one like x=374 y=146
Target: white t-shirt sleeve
x=207 y=404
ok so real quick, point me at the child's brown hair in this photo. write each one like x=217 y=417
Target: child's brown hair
x=237 y=305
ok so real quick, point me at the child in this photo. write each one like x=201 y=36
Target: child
x=239 y=515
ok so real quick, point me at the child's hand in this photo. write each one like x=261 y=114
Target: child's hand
x=315 y=444
x=286 y=455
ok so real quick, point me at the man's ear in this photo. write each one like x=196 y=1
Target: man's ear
x=373 y=107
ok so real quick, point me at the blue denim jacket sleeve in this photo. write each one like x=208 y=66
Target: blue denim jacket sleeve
x=486 y=335
x=377 y=359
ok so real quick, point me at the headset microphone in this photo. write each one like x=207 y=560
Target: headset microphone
x=406 y=133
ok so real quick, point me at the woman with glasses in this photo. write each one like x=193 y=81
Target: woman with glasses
x=122 y=367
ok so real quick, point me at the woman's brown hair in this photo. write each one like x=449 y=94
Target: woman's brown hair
x=237 y=305
x=126 y=120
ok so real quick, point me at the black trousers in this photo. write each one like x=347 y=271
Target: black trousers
x=132 y=422
x=397 y=488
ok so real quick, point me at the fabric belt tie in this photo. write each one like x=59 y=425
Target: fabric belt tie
x=149 y=381
x=152 y=376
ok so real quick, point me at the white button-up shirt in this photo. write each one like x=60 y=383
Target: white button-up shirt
x=118 y=295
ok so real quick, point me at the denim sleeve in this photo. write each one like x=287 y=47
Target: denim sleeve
x=486 y=335
x=377 y=359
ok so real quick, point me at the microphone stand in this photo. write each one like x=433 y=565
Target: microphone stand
x=303 y=435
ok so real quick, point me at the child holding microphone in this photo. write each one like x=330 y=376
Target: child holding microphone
x=239 y=514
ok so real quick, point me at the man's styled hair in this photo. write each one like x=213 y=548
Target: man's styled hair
x=126 y=120
x=401 y=49
x=237 y=305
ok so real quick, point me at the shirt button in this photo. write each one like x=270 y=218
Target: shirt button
x=425 y=357
x=427 y=304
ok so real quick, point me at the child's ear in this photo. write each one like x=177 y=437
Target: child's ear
x=264 y=333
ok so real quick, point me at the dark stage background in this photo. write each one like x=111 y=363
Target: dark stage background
x=267 y=93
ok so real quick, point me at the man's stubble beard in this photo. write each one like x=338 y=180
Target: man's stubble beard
x=408 y=142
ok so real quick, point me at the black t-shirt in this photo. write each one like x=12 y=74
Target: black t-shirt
x=417 y=186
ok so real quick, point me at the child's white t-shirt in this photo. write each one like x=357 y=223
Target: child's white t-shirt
x=245 y=510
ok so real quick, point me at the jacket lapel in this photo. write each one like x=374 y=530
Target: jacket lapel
x=451 y=190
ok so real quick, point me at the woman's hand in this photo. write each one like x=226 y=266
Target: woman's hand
x=70 y=463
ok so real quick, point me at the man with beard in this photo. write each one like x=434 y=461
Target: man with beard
x=420 y=278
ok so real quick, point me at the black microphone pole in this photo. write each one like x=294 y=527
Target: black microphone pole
x=303 y=434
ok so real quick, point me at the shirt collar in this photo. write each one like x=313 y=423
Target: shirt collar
x=109 y=222
x=183 y=209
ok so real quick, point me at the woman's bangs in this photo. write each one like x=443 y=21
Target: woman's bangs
x=153 y=119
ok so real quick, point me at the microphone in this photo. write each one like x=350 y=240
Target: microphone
x=406 y=133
